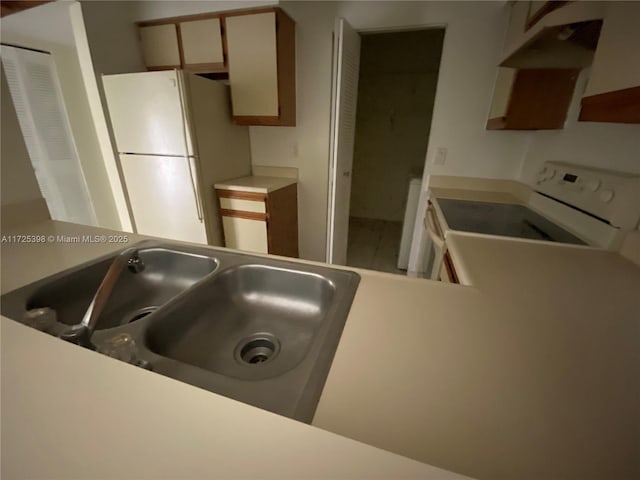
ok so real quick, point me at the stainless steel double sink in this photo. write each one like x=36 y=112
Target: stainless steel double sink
x=257 y=329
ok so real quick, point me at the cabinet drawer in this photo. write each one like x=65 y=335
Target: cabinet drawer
x=245 y=234
x=242 y=205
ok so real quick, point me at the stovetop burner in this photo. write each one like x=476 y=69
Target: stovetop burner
x=503 y=219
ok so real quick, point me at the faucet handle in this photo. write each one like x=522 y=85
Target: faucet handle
x=43 y=319
x=78 y=334
x=123 y=347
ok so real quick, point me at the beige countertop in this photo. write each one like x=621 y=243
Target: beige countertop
x=477 y=195
x=531 y=373
x=84 y=415
x=256 y=184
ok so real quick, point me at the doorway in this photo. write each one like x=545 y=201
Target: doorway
x=396 y=85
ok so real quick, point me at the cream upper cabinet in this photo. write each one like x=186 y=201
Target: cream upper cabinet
x=517 y=23
x=253 y=64
x=613 y=92
x=502 y=92
x=261 y=61
x=160 y=46
x=202 y=42
x=254 y=48
x=616 y=63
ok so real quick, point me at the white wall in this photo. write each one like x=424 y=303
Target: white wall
x=472 y=44
x=59 y=41
x=113 y=36
x=611 y=146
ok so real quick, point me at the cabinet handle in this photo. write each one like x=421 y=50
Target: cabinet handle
x=432 y=229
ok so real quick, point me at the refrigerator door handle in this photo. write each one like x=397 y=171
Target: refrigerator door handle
x=192 y=169
x=195 y=188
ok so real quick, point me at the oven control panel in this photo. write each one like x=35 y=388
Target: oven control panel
x=608 y=195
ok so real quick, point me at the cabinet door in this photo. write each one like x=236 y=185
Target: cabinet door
x=613 y=91
x=253 y=64
x=202 y=42
x=502 y=92
x=245 y=234
x=535 y=99
x=160 y=46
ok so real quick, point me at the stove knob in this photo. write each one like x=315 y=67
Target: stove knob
x=542 y=175
x=606 y=196
x=593 y=184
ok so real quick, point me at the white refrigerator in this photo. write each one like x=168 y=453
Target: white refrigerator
x=175 y=140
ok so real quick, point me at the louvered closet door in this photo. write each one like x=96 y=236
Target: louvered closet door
x=346 y=66
x=37 y=98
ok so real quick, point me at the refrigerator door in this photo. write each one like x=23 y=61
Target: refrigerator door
x=147 y=113
x=162 y=192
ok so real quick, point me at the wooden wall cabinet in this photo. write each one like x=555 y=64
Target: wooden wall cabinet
x=260 y=222
x=531 y=99
x=253 y=48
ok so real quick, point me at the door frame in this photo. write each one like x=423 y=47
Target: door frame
x=331 y=198
x=336 y=77
x=418 y=237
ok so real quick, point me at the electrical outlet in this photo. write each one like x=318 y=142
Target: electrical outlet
x=440 y=157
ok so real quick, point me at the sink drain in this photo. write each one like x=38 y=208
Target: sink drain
x=257 y=349
x=138 y=314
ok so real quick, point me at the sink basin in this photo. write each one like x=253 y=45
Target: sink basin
x=260 y=330
x=250 y=322
x=167 y=273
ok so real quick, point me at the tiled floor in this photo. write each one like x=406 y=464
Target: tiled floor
x=374 y=244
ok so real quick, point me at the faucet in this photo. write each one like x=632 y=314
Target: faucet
x=81 y=333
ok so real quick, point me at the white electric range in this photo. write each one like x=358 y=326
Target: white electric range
x=569 y=204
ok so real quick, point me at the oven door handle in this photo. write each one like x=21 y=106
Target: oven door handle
x=432 y=229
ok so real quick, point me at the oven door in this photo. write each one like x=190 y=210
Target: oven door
x=436 y=247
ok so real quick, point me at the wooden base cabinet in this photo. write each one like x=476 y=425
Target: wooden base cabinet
x=245 y=234
x=261 y=222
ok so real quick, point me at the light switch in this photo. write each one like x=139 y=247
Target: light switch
x=440 y=157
